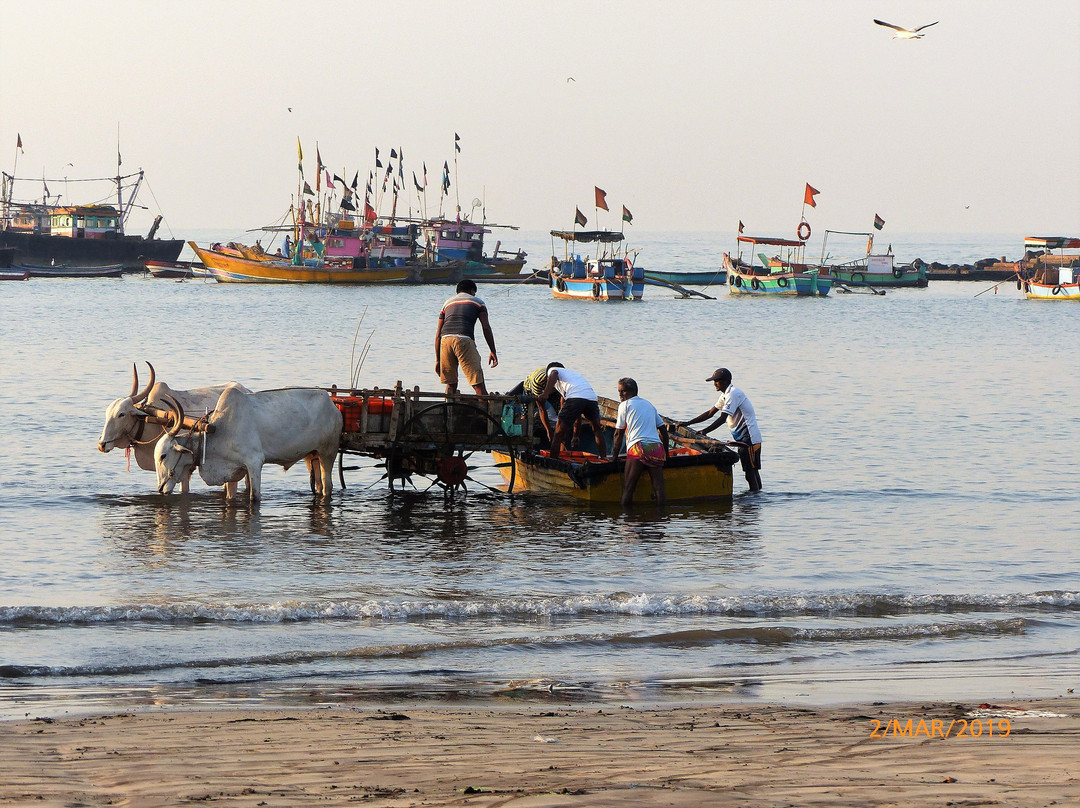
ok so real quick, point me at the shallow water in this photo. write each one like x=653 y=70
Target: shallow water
x=916 y=537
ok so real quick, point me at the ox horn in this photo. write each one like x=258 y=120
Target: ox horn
x=138 y=397
x=178 y=414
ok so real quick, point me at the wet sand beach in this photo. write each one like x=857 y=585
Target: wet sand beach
x=543 y=756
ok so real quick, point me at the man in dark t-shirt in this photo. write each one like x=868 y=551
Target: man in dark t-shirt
x=455 y=343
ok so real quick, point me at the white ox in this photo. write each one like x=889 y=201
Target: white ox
x=126 y=425
x=248 y=430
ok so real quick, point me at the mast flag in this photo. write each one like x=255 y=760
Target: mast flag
x=627 y=216
x=579 y=218
x=808 y=197
x=601 y=198
x=878 y=222
x=18 y=143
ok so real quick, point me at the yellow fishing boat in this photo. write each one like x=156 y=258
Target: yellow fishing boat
x=698 y=468
x=235 y=269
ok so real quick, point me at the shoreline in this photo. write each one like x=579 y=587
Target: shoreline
x=540 y=755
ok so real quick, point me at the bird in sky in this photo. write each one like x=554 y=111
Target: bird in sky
x=906 y=33
x=571 y=79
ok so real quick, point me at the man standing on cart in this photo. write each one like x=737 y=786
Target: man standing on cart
x=455 y=342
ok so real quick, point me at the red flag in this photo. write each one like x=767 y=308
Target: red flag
x=369 y=213
x=808 y=198
x=740 y=227
x=19 y=144
x=601 y=198
x=329 y=184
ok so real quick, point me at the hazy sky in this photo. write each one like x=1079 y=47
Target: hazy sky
x=694 y=115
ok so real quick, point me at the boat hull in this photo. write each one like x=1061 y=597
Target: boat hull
x=34 y=249
x=907 y=277
x=499 y=268
x=714 y=277
x=1044 y=291
x=688 y=477
x=596 y=288
x=58 y=271
x=787 y=283
x=14 y=275
x=234 y=269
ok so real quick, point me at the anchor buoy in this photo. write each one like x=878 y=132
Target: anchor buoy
x=804 y=231
x=1019 y=285
x=560 y=284
x=755 y=284
x=1057 y=289
x=782 y=282
x=858 y=277
x=596 y=290
x=897 y=272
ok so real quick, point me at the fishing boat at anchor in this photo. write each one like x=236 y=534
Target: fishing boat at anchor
x=1046 y=276
x=228 y=268
x=43 y=233
x=873 y=270
x=462 y=240
x=698 y=467
x=70 y=271
x=778 y=275
x=610 y=275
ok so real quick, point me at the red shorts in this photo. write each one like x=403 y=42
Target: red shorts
x=648 y=453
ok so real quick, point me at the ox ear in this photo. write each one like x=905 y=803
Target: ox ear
x=138 y=397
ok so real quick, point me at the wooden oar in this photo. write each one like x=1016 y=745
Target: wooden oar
x=996 y=285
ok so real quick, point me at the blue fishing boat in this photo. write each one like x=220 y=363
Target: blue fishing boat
x=610 y=275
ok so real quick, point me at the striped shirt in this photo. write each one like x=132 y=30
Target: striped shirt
x=459 y=315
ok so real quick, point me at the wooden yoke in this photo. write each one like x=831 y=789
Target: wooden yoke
x=164 y=417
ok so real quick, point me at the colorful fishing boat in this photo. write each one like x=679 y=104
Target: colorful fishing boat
x=873 y=270
x=462 y=240
x=227 y=268
x=698 y=468
x=785 y=275
x=68 y=271
x=1046 y=276
x=8 y=274
x=709 y=277
x=610 y=275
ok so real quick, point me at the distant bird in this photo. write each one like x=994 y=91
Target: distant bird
x=905 y=33
x=571 y=79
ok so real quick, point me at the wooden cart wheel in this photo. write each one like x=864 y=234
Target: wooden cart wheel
x=441 y=460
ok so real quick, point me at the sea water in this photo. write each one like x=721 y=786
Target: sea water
x=916 y=538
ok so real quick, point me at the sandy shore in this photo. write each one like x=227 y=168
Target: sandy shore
x=533 y=756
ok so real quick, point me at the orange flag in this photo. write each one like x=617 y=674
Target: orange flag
x=601 y=198
x=811 y=192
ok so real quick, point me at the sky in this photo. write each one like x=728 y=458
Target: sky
x=694 y=115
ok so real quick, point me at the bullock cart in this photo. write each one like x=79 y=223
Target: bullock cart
x=432 y=435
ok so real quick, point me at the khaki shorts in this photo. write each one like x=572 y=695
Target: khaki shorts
x=455 y=350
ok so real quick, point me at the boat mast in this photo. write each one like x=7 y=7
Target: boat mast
x=119 y=181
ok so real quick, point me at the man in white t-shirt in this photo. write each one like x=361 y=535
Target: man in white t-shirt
x=735 y=408
x=646 y=441
x=579 y=401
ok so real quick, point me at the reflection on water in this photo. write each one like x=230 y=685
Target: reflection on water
x=891 y=533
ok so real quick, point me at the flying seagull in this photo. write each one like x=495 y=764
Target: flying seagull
x=571 y=79
x=904 y=33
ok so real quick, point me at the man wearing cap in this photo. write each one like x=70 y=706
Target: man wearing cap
x=735 y=407
x=455 y=342
x=579 y=401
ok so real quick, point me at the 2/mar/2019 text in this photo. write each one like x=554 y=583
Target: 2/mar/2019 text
x=937 y=728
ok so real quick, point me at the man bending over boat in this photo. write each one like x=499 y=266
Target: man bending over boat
x=646 y=441
x=736 y=409
x=579 y=401
x=455 y=343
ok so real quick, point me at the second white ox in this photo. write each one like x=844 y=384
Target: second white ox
x=126 y=426
x=250 y=430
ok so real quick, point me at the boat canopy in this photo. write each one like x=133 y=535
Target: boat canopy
x=774 y=242
x=1052 y=243
x=588 y=235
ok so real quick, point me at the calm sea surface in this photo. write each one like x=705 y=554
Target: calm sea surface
x=917 y=536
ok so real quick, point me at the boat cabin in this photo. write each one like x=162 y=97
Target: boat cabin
x=85 y=221
x=1048 y=269
x=30 y=219
x=455 y=240
x=794 y=257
